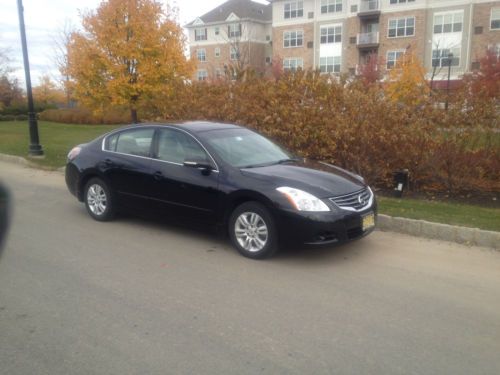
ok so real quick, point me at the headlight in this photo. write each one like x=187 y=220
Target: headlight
x=74 y=153
x=303 y=201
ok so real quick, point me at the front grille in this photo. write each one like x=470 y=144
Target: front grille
x=356 y=201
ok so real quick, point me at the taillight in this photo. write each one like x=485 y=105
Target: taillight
x=74 y=153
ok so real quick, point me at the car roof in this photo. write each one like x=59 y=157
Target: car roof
x=197 y=126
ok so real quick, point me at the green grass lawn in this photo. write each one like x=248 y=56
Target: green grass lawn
x=441 y=212
x=56 y=139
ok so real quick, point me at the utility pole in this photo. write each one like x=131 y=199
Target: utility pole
x=35 y=149
x=450 y=57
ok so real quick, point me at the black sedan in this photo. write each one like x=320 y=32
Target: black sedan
x=223 y=174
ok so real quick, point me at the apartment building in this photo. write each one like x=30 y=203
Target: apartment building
x=230 y=38
x=338 y=36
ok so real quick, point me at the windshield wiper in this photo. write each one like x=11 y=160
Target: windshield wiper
x=282 y=161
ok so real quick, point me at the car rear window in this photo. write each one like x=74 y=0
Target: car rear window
x=131 y=142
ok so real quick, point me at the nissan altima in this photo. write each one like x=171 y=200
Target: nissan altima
x=225 y=174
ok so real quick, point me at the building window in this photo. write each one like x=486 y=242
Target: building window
x=440 y=57
x=330 y=64
x=294 y=9
x=217 y=31
x=401 y=1
x=448 y=22
x=292 y=64
x=218 y=73
x=331 y=34
x=201 y=54
x=400 y=27
x=293 y=38
x=234 y=54
x=331 y=6
x=217 y=52
x=200 y=34
x=495 y=49
x=202 y=75
x=234 y=30
x=393 y=57
x=495 y=19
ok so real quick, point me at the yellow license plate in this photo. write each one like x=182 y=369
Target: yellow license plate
x=368 y=221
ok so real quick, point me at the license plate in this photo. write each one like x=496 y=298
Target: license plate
x=368 y=221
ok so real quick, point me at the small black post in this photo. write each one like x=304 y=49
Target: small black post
x=35 y=149
x=450 y=57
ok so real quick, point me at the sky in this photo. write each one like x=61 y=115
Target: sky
x=45 y=18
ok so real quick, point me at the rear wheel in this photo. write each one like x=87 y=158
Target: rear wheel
x=98 y=200
x=252 y=230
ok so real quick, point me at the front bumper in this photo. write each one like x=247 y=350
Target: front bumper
x=323 y=228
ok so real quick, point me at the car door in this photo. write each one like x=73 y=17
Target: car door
x=178 y=189
x=127 y=164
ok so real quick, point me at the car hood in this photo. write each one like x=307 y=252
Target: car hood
x=320 y=179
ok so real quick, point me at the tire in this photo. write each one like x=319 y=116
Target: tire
x=98 y=200
x=253 y=231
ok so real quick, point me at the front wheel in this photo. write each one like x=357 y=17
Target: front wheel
x=98 y=200
x=252 y=231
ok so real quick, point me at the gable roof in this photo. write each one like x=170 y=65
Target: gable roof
x=243 y=9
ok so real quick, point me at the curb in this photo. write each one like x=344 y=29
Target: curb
x=385 y=223
x=14 y=159
x=438 y=231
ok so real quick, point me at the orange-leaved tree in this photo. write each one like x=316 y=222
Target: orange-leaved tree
x=129 y=52
x=47 y=92
x=406 y=81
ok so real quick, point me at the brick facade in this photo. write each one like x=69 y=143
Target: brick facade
x=252 y=55
x=486 y=37
x=307 y=54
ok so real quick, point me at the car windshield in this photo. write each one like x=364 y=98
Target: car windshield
x=243 y=148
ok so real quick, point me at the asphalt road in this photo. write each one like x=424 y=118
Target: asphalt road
x=139 y=296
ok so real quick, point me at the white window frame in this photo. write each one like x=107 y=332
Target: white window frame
x=405 y=27
x=217 y=30
x=444 y=56
x=217 y=52
x=331 y=6
x=495 y=10
x=495 y=48
x=443 y=15
x=336 y=63
x=335 y=34
x=234 y=53
x=218 y=73
x=198 y=36
x=202 y=75
x=293 y=63
x=398 y=53
x=201 y=54
x=293 y=36
x=295 y=9
x=397 y=2
x=234 y=30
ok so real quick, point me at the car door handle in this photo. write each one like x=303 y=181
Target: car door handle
x=108 y=162
x=158 y=176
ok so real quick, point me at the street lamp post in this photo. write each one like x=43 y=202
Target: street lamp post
x=35 y=149
x=450 y=57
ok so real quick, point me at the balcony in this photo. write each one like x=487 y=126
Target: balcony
x=369 y=8
x=368 y=40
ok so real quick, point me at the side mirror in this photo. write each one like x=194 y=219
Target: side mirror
x=199 y=164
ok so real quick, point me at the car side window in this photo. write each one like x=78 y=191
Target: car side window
x=176 y=147
x=132 y=142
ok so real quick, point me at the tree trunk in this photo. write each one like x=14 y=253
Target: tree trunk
x=133 y=114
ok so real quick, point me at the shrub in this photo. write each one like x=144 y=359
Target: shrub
x=85 y=116
x=358 y=127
